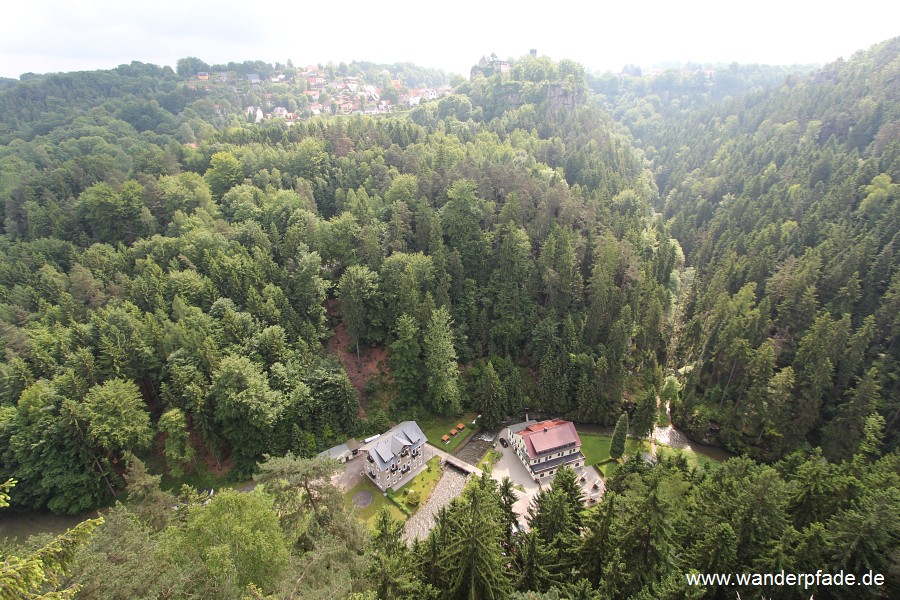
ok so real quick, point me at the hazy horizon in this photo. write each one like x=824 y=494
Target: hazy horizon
x=53 y=36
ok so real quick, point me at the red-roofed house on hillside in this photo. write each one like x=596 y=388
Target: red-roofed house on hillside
x=544 y=447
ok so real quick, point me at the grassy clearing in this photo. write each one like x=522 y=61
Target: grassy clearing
x=489 y=459
x=435 y=427
x=417 y=492
x=607 y=468
x=694 y=459
x=595 y=447
x=367 y=514
x=199 y=477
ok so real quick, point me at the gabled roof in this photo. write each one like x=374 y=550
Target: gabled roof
x=336 y=453
x=546 y=436
x=388 y=446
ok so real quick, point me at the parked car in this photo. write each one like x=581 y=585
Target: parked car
x=503 y=442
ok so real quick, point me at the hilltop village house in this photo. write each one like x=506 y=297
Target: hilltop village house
x=396 y=456
x=544 y=447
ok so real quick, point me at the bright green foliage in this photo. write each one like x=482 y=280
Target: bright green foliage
x=112 y=216
x=40 y=573
x=49 y=452
x=442 y=372
x=178 y=445
x=116 y=418
x=236 y=539
x=246 y=407
x=224 y=173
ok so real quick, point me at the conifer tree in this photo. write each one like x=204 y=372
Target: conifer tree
x=531 y=564
x=406 y=362
x=617 y=445
x=357 y=287
x=566 y=481
x=442 y=372
x=597 y=543
x=508 y=498
x=473 y=562
x=493 y=398
x=389 y=568
x=644 y=417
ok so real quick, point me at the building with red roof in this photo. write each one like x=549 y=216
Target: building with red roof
x=545 y=446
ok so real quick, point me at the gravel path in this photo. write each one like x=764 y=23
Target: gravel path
x=448 y=487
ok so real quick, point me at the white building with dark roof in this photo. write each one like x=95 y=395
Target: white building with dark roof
x=343 y=452
x=396 y=456
x=544 y=447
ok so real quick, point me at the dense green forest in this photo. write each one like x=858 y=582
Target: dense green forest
x=173 y=275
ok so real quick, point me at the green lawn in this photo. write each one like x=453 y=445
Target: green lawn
x=367 y=514
x=197 y=476
x=694 y=459
x=489 y=459
x=436 y=427
x=607 y=468
x=595 y=447
x=421 y=486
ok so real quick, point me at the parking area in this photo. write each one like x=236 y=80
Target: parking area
x=510 y=466
x=351 y=474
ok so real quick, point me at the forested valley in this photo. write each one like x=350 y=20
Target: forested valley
x=187 y=295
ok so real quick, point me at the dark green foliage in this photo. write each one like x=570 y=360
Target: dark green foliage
x=165 y=262
x=471 y=562
x=617 y=445
x=644 y=417
x=406 y=362
x=491 y=397
x=442 y=372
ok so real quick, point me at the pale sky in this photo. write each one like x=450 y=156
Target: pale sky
x=52 y=35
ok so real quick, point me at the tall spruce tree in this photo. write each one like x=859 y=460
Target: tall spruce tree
x=566 y=481
x=406 y=362
x=492 y=396
x=442 y=372
x=644 y=417
x=357 y=287
x=472 y=561
x=617 y=445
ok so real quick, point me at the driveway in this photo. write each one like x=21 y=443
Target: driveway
x=510 y=466
x=352 y=474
